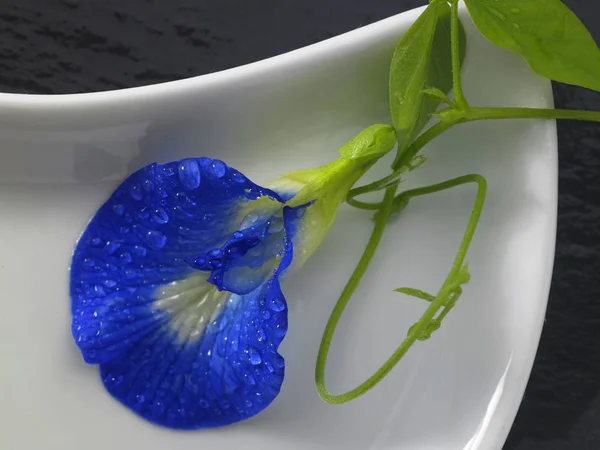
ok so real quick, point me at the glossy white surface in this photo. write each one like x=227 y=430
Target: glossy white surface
x=61 y=156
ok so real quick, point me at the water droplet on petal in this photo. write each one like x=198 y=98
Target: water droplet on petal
x=250 y=378
x=138 y=250
x=160 y=216
x=143 y=213
x=276 y=305
x=111 y=247
x=99 y=290
x=223 y=324
x=234 y=252
x=276 y=226
x=158 y=408
x=168 y=170
x=148 y=186
x=136 y=192
x=189 y=174
x=280 y=331
x=130 y=274
x=125 y=258
x=118 y=209
x=216 y=168
x=251 y=218
x=279 y=361
x=156 y=238
x=261 y=335
x=238 y=177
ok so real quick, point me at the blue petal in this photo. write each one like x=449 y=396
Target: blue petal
x=192 y=373
x=155 y=221
x=177 y=297
x=248 y=258
x=230 y=372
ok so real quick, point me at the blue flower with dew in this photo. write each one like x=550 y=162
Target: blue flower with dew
x=175 y=282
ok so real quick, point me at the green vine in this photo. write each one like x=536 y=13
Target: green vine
x=432 y=318
x=417 y=87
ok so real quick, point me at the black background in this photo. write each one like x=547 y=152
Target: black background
x=68 y=46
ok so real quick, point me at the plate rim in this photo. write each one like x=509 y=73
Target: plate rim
x=67 y=106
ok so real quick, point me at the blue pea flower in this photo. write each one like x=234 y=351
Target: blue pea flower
x=175 y=282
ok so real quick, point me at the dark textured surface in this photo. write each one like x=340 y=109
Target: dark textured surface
x=90 y=45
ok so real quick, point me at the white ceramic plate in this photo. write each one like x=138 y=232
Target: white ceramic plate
x=61 y=156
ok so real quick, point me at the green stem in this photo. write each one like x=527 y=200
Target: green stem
x=477 y=208
x=425 y=138
x=381 y=219
x=392 y=179
x=398 y=167
x=444 y=313
x=450 y=117
x=429 y=314
x=368 y=206
x=454 y=116
x=459 y=97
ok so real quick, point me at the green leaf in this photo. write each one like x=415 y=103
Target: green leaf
x=331 y=182
x=438 y=94
x=416 y=162
x=546 y=33
x=422 y=60
x=416 y=293
x=370 y=144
